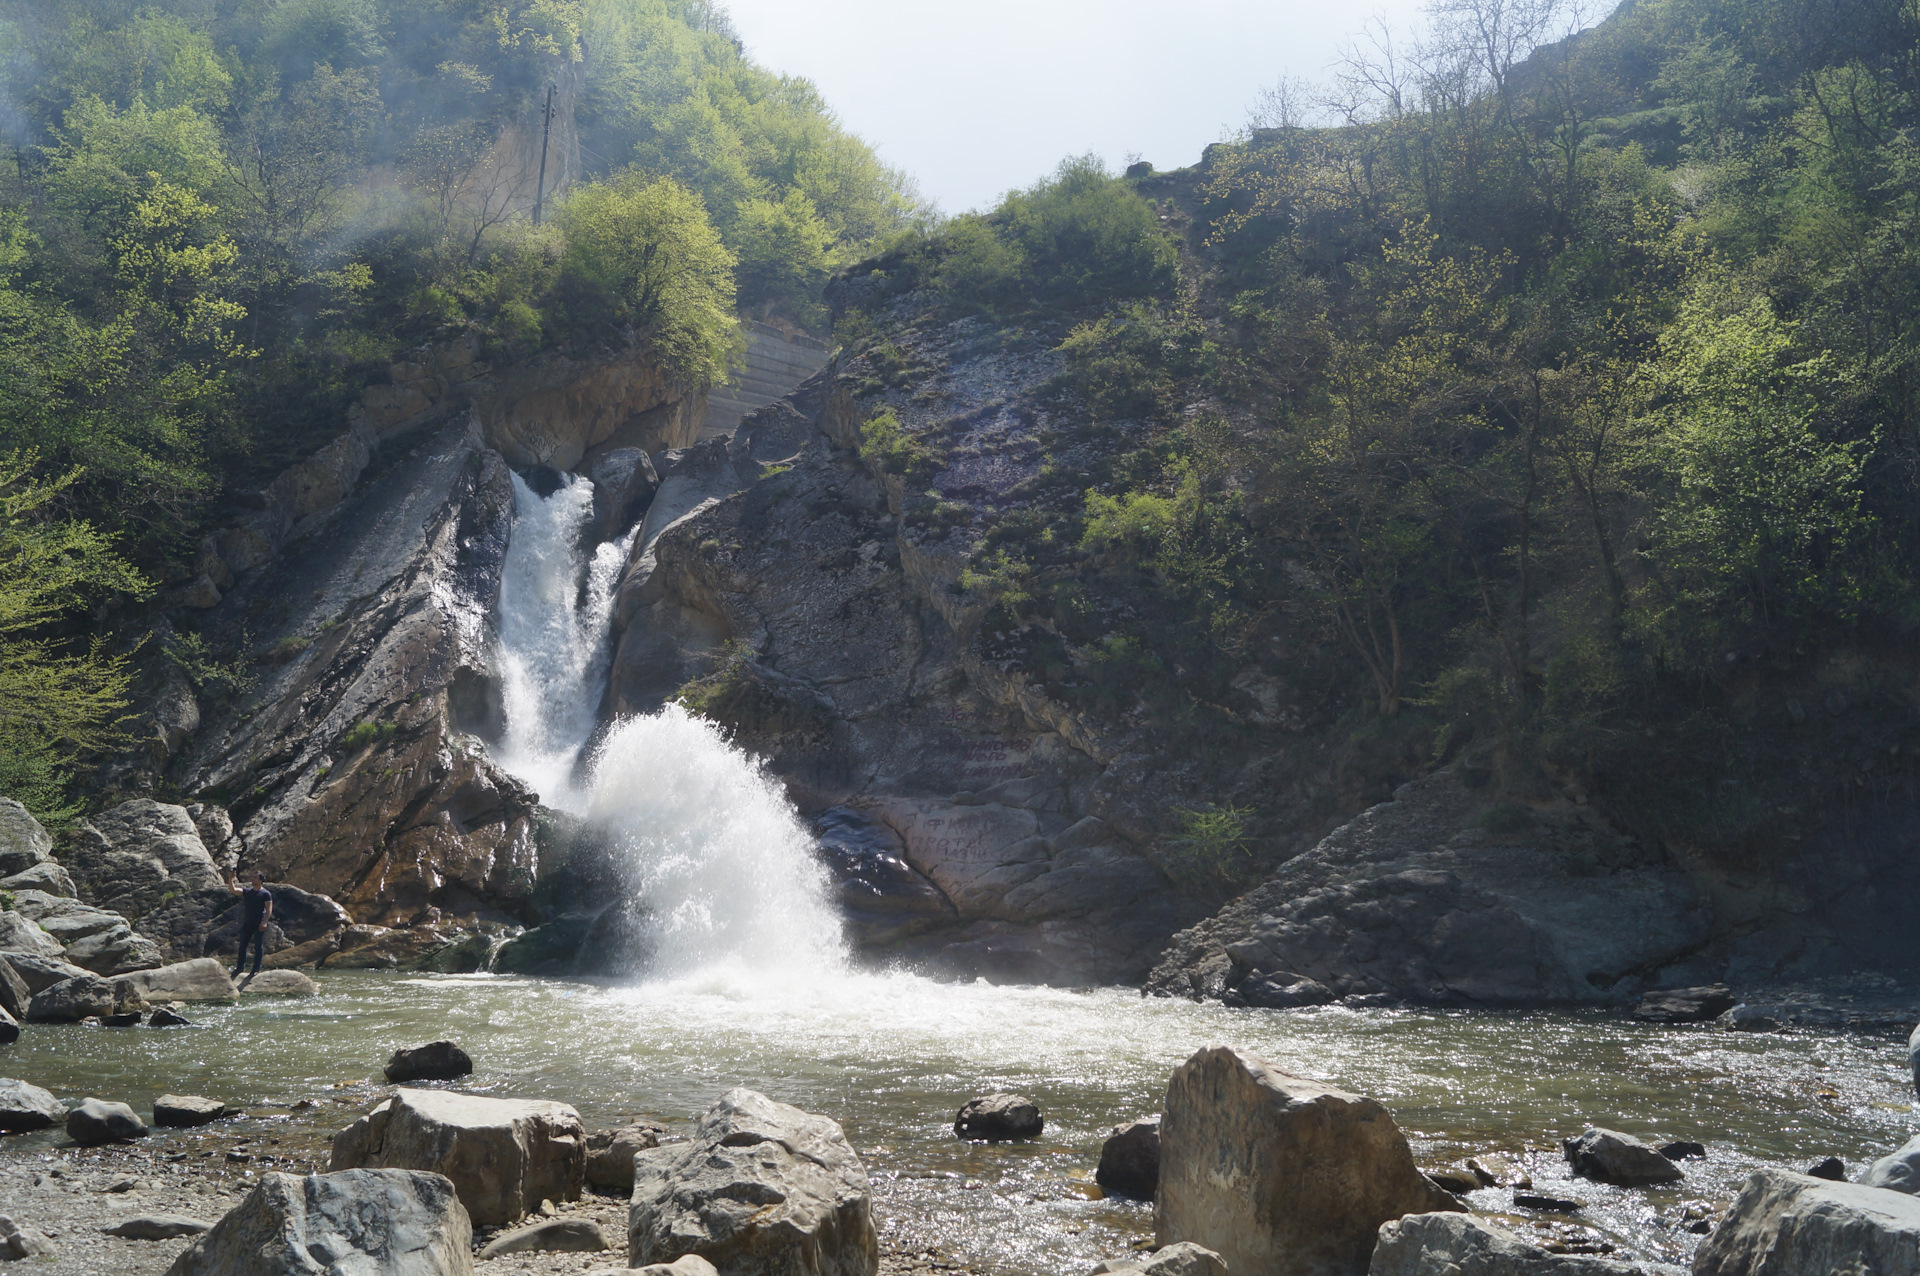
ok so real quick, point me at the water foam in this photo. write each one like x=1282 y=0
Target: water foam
x=724 y=886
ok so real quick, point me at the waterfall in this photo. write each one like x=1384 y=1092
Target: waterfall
x=722 y=875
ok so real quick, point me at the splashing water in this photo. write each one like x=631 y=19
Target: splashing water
x=724 y=883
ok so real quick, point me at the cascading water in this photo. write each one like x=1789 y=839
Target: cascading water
x=724 y=881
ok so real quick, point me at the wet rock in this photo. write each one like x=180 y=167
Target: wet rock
x=610 y=1154
x=15 y=996
x=1899 y=1172
x=23 y=842
x=883 y=897
x=1283 y=990
x=1317 y=1170
x=503 y=1155
x=96 y=1121
x=558 y=1235
x=202 y=979
x=1130 y=1159
x=1611 y=1157
x=1753 y=1018
x=180 y=1111
x=72 y=1000
x=761 y=1186
x=1786 y=1224
x=24 y=1108
x=1684 y=1005
x=1913 y=1058
x=17 y=1242
x=1461 y=1245
x=1831 y=1168
x=434 y=1061
x=999 y=1116
x=623 y=482
x=124 y=1019
x=1184 y=1259
x=1498 y=1171
x=1683 y=1150
x=1457 y=1179
x=158 y=1227
x=9 y=1029
x=1549 y=1204
x=20 y=934
x=40 y=973
x=376 y=1222
x=278 y=983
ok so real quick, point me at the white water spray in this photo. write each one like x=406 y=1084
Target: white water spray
x=724 y=878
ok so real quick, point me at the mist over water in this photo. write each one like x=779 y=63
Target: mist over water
x=724 y=883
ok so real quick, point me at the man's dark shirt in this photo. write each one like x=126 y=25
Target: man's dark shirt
x=254 y=901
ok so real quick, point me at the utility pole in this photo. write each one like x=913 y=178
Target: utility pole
x=546 y=130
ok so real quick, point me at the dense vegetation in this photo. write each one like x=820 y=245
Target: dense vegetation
x=219 y=219
x=1568 y=384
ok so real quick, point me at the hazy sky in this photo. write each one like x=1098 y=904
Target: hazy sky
x=978 y=96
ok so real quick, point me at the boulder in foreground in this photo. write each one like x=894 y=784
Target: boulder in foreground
x=999 y=1116
x=1184 y=1259
x=1786 y=1224
x=1279 y=1175
x=24 y=1108
x=503 y=1155
x=434 y=1061
x=1609 y=1156
x=1898 y=1172
x=202 y=979
x=761 y=1187
x=1461 y=1245
x=18 y=1242
x=97 y=1121
x=1130 y=1159
x=363 y=1222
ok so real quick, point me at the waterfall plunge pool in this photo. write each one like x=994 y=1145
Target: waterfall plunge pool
x=892 y=1057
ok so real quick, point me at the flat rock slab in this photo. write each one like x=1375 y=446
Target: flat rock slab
x=25 y=1107
x=364 y=1222
x=557 y=1235
x=278 y=983
x=434 y=1061
x=503 y=1155
x=182 y=1111
x=1612 y=1157
x=202 y=979
x=1459 y=1244
x=97 y=1121
x=1786 y=1224
x=158 y=1227
x=1279 y=1175
x=760 y=1187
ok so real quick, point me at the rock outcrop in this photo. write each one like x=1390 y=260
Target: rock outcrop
x=368 y=1222
x=144 y=860
x=38 y=973
x=24 y=842
x=97 y=939
x=504 y=1156
x=1786 y=1224
x=21 y=934
x=1396 y=903
x=1279 y=1175
x=1461 y=1245
x=1685 y=1005
x=760 y=1187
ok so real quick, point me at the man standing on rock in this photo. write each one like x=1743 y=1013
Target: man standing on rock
x=256 y=903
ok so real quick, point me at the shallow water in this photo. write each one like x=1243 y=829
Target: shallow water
x=892 y=1056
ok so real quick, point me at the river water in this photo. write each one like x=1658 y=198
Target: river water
x=744 y=981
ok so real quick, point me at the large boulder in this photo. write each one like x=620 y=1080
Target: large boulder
x=610 y=1154
x=15 y=996
x=1461 y=1245
x=9 y=1028
x=1899 y=1172
x=999 y=1116
x=278 y=983
x=144 y=860
x=21 y=934
x=97 y=938
x=1279 y=1175
x=623 y=482
x=1785 y=1224
x=202 y=979
x=72 y=1000
x=23 y=842
x=183 y=1111
x=48 y=877
x=96 y=1121
x=434 y=1061
x=366 y=1222
x=761 y=1187
x=40 y=973
x=1685 y=1005
x=1612 y=1157
x=1130 y=1159
x=25 y=1108
x=503 y=1155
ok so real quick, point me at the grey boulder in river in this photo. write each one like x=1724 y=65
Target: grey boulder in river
x=1446 y=1244
x=1787 y=1224
x=393 y=1222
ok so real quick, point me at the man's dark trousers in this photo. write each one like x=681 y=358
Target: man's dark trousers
x=257 y=935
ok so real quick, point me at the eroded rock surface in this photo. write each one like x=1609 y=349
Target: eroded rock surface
x=1461 y=1245
x=1785 y=1224
x=368 y=1222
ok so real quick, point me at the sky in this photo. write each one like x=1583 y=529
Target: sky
x=976 y=97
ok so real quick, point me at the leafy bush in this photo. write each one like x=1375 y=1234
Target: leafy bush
x=886 y=443
x=362 y=734
x=1212 y=845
